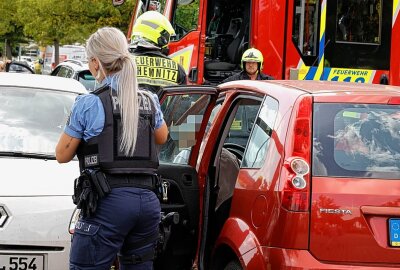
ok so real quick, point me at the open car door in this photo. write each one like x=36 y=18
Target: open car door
x=186 y=112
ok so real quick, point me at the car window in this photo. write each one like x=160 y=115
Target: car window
x=356 y=141
x=239 y=131
x=31 y=120
x=19 y=67
x=64 y=72
x=87 y=79
x=260 y=137
x=183 y=115
x=55 y=71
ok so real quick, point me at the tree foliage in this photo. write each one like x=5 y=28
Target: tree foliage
x=47 y=22
x=187 y=15
x=69 y=21
x=11 y=29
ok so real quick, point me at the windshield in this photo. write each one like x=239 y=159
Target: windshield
x=357 y=141
x=31 y=120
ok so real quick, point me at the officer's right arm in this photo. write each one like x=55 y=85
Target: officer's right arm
x=161 y=129
x=161 y=134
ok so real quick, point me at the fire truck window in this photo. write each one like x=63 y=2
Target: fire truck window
x=359 y=21
x=185 y=18
x=360 y=31
x=305 y=29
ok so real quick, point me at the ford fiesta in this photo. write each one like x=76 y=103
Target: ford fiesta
x=35 y=191
x=281 y=175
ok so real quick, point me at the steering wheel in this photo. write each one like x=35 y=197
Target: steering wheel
x=235 y=149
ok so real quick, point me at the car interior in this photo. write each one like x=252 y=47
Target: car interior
x=227 y=38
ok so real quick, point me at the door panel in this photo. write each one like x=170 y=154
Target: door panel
x=183 y=198
x=186 y=112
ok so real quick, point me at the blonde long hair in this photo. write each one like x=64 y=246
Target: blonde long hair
x=110 y=47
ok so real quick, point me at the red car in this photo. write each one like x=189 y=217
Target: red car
x=281 y=175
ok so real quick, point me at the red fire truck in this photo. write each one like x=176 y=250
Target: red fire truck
x=343 y=40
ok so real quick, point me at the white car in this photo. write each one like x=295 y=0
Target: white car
x=76 y=70
x=35 y=191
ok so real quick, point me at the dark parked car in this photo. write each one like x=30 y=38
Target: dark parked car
x=19 y=67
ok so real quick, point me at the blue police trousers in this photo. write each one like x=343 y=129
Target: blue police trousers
x=125 y=216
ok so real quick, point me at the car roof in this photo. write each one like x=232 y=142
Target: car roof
x=316 y=87
x=75 y=65
x=41 y=81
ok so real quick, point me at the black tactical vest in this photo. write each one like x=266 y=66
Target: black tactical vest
x=103 y=151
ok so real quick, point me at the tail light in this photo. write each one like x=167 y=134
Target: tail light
x=53 y=66
x=74 y=219
x=296 y=189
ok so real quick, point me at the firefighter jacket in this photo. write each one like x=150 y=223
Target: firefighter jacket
x=155 y=70
x=243 y=76
x=103 y=151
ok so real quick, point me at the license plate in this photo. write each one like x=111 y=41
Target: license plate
x=394 y=232
x=21 y=262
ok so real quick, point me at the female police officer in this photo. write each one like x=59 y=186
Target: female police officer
x=113 y=131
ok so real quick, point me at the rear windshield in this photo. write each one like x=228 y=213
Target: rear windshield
x=361 y=141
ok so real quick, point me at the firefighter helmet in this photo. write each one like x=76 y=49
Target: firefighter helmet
x=154 y=27
x=252 y=55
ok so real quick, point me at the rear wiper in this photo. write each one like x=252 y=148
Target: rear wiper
x=25 y=154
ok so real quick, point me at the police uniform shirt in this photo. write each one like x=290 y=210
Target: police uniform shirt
x=87 y=115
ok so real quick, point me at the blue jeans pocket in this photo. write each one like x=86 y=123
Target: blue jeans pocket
x=84 y=244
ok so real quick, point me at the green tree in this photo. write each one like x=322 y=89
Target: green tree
x=59 y=22
x=11 y=29
x=187 y=15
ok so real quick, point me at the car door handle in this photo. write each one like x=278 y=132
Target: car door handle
x=187 y=180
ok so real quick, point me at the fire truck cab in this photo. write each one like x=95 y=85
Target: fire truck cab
x=343 y=40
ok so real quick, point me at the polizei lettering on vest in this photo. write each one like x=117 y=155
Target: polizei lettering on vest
x=144 y=103
x=91 y=160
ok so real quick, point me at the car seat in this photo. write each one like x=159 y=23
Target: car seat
x=228 y=171
x=226 y=58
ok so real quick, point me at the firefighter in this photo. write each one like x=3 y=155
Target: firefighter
x=252 y=62
x=114 y=131
x=150 y=37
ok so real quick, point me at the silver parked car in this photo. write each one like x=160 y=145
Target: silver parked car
x=35 y=191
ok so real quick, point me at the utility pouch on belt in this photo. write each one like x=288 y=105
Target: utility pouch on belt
x=88 y=188
x=100 y=183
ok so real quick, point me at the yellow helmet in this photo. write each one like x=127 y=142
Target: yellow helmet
x=154 y=27
x=252 y=55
